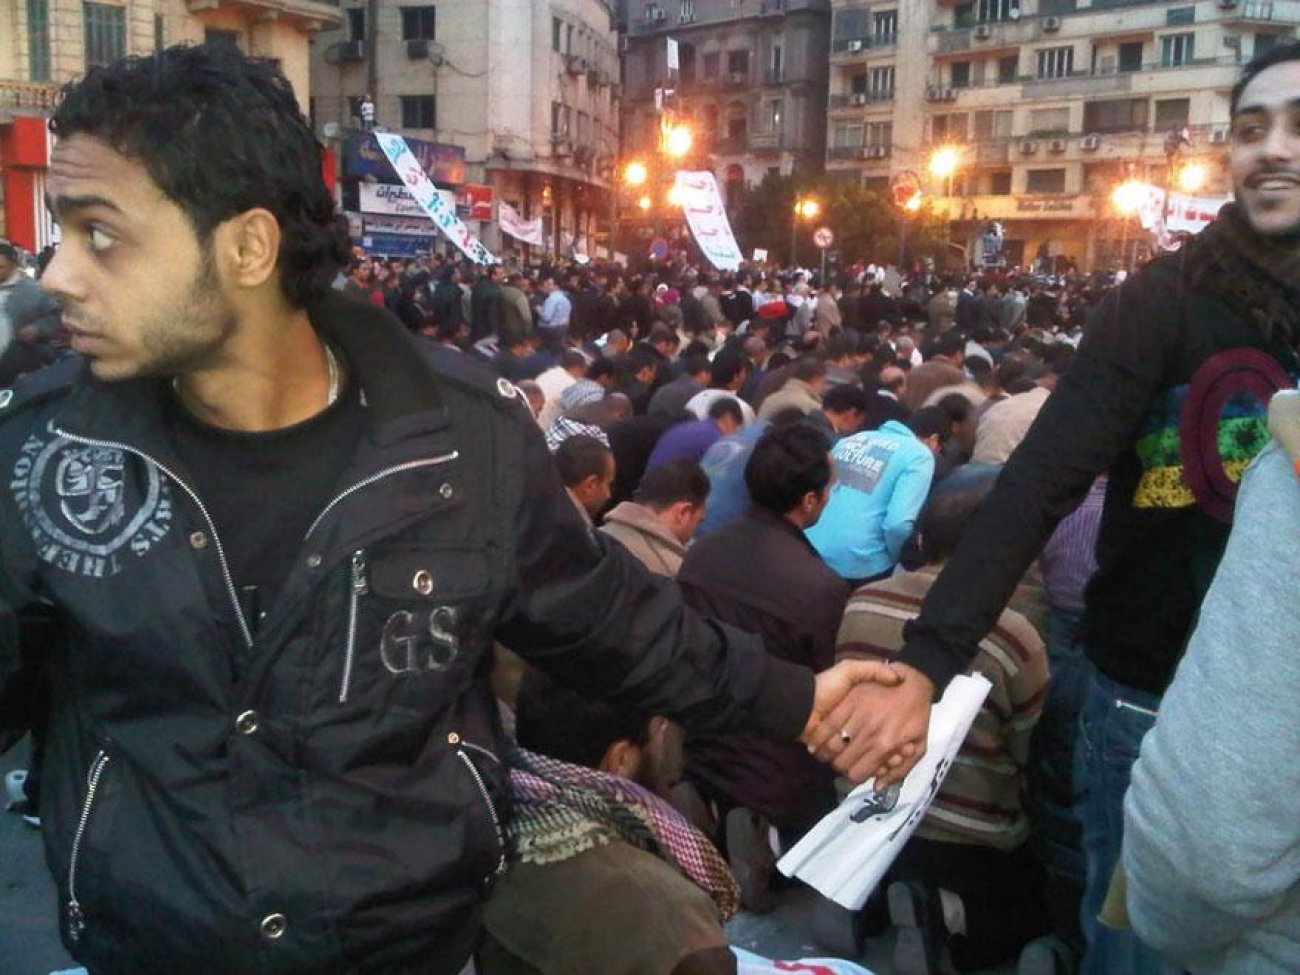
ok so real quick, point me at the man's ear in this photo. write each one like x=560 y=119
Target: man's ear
x=622 y=758
x=248 y=245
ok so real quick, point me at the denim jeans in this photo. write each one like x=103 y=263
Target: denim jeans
x=1113 y=722
x=1057 y=836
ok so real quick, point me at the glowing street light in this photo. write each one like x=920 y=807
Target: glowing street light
x=674 y=196
x=678 y=141
x=944 y=164
x=1192 y=177
x=808 y=209
x=913 y=203
x=1128 y=197
x=636 y=173
x=644 y=203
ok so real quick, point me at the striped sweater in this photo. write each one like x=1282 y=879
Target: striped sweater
x=980 y=801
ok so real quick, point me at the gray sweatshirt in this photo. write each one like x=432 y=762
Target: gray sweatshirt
x=1212 y=818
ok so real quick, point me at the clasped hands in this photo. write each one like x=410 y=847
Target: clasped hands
x=870 y=718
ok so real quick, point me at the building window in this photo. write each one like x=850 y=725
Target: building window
x=1177 y=49
x=217 y=37
x=1045 y=181
x=1008 y=69
x=961 y=74
x=880 y=134
x=1130 y=56
x=858 y=84
x=1176 y=16
x=1118 y=115
x=559 y=120
x=568 y=39
x=881 y=83
x=105 y=33
x=418 y=23
x=356 y=24
x=1172 y=113
x=1045 y=122
x=774 y=109
x=711 y=64
x=738 y=63
x=159 y=35
x=38 y=39
x=737 y=127
x=948 y=128
x=985 y=11
x=1264 y=43
x=1056 y=62
x=847 y=135
x=686 y=11
x=1000 y=182
x=557 y=33
x=419 y=112
x=778 y=63
x=993 y=124
x=884 y=28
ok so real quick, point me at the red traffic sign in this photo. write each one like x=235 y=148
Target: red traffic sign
x=823 y=237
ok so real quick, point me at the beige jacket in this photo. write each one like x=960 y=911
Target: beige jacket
x=642 y=534
x=796 y=393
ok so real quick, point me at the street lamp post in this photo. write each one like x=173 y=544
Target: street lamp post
x=807 y=208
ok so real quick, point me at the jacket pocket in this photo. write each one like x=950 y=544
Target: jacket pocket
x=469 y=756
x=73 y=913
x=414 y=620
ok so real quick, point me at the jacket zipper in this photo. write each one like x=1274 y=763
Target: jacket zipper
x=212 y=527
x=379 y=476
x=463 y=755
x=359 y=588
x=77 y=917
x=1130 y=706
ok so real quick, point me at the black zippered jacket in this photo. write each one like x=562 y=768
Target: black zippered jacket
x=1167 y=393
x=325 y=798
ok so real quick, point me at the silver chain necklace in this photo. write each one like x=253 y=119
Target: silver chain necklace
x=332 y=370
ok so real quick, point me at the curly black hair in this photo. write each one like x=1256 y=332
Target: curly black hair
x=219 y=133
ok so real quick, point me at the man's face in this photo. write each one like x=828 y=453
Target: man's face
x=141 y=295
x=7 y=268
x=594 y=491
x=846 y=422
x=662 y=758
x=1265 y=159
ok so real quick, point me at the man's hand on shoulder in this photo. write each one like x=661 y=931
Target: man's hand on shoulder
x=870 y=719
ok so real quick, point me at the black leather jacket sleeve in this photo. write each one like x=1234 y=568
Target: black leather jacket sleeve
x=588 y=613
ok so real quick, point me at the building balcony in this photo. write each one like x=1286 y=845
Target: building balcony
x=859 y=100
x=27 y=97
x=1283 y=13
x=719 y=14
x=857 y=153
x=731 y=146
x=852 y=48
x=315 y=14
x=985 y=37
x=766 y=140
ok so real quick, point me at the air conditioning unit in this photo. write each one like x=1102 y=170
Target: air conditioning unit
x=947 y=94
x=855 y=46
x=1051 y=24
x=934 y=93
x=1219 y=136
x=351 y=51
x=737 y=77
x=417 y=48
x=560 y=147
x=983 y=32
x=1227 y=4
x=1057 y=146
x=1106 y=65
x=877 y=152
x=575 y=65
x=655 y=15
x=1090 y=143
x=858 y=99
x=1028 y=147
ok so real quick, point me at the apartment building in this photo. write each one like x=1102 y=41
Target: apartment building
x=45 y=43
x=1049 y=105
x=503 y=100
x=752 y=82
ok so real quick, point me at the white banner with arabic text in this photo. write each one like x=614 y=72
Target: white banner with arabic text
x=707 y=217
x=529 y=231
x=417 y=181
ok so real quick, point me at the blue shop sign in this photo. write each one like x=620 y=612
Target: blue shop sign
x=362 y=156
x=396 y=245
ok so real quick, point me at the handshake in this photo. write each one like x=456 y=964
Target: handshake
x=869 y=719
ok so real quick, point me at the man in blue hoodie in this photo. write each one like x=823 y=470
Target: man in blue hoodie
x=882 y=479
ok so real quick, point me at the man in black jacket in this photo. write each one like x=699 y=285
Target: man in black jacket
x=1167 y=393
x=282 y=535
